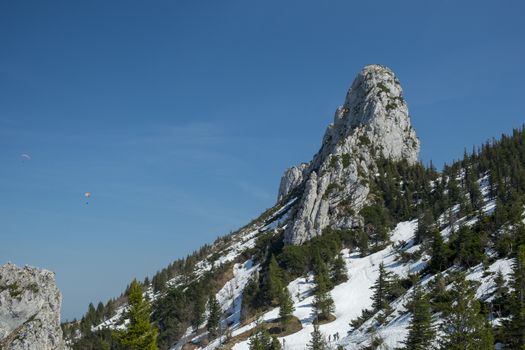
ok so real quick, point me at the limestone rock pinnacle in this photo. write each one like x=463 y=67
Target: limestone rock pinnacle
x=373 y=122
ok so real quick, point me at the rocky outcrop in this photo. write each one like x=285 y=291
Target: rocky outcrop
x=373 y=122
x=292 y=178
x=29 y=309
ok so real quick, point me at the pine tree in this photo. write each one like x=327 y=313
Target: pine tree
x=140 y=334
x=501 y=296
x=275 y=345
x=420 y=331
x=463 y=326
x=317 y=342
x=439 y=259
x=381 y=289
x=424 y=226
x=159 y=281
x=109 y=309
x=321 y=272
x=250 y=297
x=515 y=327
x=468 y=246
x=198 y=309
x=275 y=281
x=261 y=339
x=214 y=316
x=91 y=316
x=99 y=313
x=475 y=195
x=339 y=273
x=286 y=308
x=455 y=194
x=323 y=304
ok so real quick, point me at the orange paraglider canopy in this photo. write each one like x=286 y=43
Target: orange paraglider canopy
x=87 y=195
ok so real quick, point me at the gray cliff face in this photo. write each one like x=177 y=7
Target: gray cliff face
x=29 y=309
x=372 y=122
x=292 y=178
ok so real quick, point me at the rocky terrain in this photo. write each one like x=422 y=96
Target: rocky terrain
x=373 y=122
x=29 y=309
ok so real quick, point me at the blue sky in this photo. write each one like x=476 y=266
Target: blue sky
x=180 y=116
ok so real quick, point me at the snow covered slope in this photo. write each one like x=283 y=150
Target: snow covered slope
x=353 y=296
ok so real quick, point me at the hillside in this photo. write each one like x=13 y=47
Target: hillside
x=366 y=246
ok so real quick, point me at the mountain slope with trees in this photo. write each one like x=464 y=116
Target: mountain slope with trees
x=407 y=256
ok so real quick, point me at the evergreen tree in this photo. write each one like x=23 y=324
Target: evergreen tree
x=475 y=195
x=214 y=316
x=468 y=246
x=99 y=340
x=140 y=334
x=275 y=281
x=362 y=242
x=286 y=308
x=515 y=327
x=91 y=316
x=250 y=297
x=501 y=298
x=377 y=223
x=99 y=313
x=317 y=342
x=439 y=259
x=339 y=274
x=168 y=314
x=275 y=345
x=198 y=309
x=376 y=342
x=159 y=281
x=454 y=192
x=109 y=309
x=382 y=288
x=425 y=226
x=465 y=207
x=261 y=339
x=420 y=331
x=463 y=326
x=321 y=272
x=323 y=304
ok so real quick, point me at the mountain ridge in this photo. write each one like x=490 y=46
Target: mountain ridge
x=383 y=209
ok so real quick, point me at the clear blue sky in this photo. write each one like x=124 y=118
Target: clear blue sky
x=180 y=116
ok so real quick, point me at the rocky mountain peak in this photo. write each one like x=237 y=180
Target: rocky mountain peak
x=374 y=112
x=373 y=122
x=29 y=309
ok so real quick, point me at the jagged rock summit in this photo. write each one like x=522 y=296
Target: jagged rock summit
x=373 y=122
x=29 y=309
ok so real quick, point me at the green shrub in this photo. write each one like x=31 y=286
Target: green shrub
x=383 y=88
x=331 y=188
x=333 y=161
x=346 y=160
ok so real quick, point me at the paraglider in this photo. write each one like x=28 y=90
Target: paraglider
x=25 y=156
x=87 y=195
